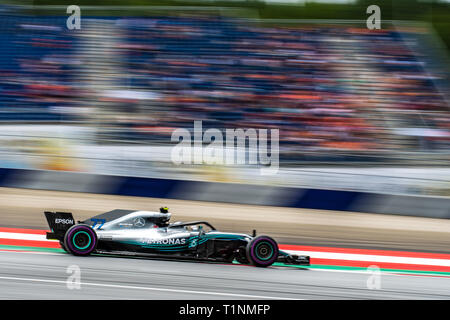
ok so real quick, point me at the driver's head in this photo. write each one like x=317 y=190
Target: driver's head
x=164 y=210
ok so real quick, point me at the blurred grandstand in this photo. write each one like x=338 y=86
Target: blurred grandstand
x=339 y=93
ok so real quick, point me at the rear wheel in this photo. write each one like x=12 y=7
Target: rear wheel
x=262 y=251
x=80 y=240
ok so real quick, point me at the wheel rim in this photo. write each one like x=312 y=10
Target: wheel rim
x=81 y=240
x=264 y=251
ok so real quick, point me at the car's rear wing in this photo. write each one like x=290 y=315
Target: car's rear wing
x=59 y=223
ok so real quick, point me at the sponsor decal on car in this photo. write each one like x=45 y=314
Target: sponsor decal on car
x=165 y=241
x=193 y=243
x=64 y=221
x=105 y=237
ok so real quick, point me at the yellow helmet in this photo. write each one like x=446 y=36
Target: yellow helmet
x=164 y=209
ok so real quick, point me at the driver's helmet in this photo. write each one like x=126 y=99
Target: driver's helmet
x=163 y=220
x=164 y=210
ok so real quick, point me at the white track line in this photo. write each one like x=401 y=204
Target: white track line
x=150 y=288
x=23 y=236
x=30 y=252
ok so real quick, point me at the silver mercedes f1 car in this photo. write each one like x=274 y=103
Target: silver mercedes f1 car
x=148 y=233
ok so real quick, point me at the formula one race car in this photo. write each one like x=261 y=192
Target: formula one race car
x=150 y=234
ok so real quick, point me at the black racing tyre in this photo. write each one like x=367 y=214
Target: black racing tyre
x=63 y=246
x=80 y=240
x=262 y=251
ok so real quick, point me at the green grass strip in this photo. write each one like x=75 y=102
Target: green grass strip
x=329 y=267
x=3 y=247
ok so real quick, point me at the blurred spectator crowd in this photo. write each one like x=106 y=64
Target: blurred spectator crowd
x=329 y=89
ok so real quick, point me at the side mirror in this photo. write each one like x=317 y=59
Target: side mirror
x=201 y=232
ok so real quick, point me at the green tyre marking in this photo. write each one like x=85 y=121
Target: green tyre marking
x=257 y=255
x=86 y=246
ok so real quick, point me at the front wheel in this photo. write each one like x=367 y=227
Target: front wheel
x=262 y=251
x=80 y=240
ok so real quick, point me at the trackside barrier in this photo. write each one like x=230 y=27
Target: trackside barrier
x=423 y=206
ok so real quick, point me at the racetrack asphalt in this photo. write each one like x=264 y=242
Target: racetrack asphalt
x=27 y=275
